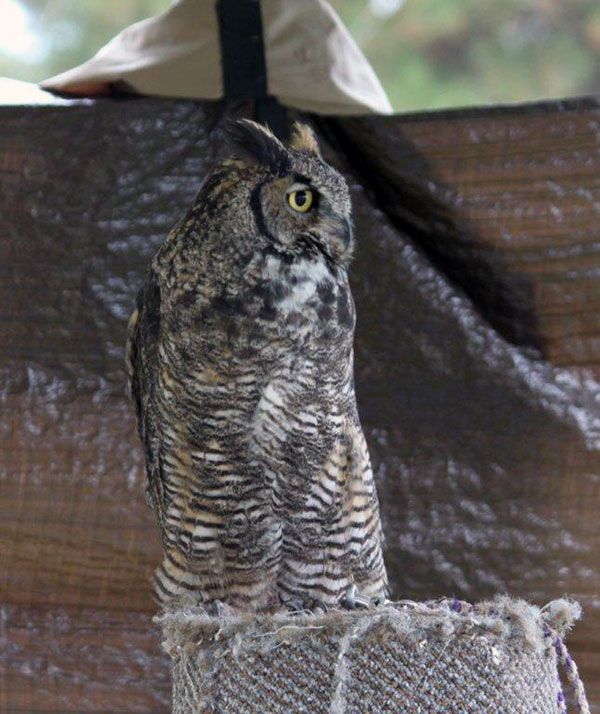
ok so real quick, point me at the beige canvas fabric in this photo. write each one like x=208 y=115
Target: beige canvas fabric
x=313 y=64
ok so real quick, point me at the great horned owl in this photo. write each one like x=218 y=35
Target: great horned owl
x=240 y=365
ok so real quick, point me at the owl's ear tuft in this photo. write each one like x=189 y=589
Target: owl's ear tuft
x=304 y=139
x=258 y=143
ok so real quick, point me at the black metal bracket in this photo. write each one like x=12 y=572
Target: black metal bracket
x=243 y=61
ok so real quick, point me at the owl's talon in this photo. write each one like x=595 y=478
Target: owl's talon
x=309 y=606
x=318 y=607
x=382 y=601
x=353 y=600
x=294 y=607
x=215 y=608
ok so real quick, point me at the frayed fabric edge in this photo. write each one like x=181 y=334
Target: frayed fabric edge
x=503 y=618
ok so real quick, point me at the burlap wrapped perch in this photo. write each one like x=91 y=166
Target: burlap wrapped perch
x=445 y=656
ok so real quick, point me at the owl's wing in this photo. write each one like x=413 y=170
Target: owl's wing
x=362 y=505
x=141 y=358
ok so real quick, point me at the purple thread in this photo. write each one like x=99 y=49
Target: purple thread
x=560 y=697
x=571 y=673
x=564 y=658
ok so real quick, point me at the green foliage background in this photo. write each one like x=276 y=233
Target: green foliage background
x=428 y=53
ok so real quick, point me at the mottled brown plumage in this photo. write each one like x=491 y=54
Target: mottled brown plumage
x=240 y=364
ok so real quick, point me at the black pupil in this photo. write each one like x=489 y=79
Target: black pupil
x=301 y=198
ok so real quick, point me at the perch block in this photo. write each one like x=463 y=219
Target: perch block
x=443 y=656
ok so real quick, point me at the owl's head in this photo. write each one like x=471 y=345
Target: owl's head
x=297 y=201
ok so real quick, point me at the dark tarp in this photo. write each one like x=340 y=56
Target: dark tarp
x=477 y=364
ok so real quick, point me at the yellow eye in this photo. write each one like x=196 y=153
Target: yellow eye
x=301 y=201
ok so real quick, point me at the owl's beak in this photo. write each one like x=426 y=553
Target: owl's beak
x=348 y=232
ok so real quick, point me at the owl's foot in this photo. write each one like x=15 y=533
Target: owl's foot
x=381 y=601
x=215 y=608
x=353 y=600
x=298 y=606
